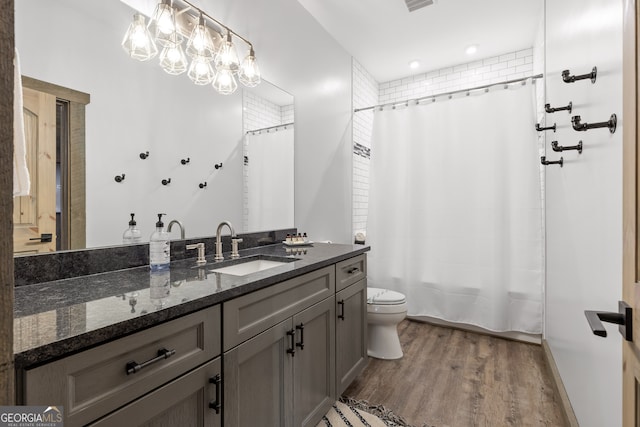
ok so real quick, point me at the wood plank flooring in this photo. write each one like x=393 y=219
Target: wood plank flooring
x=453 y=378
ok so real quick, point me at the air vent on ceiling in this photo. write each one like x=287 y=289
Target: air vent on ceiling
x=414 y=5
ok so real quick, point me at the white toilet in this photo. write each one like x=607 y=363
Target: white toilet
x=385 y=309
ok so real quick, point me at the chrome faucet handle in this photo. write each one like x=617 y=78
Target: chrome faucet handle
x=234 y=247
x=201 y=257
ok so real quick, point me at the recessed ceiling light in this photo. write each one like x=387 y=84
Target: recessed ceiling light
x=471 y=49
x=414 y=64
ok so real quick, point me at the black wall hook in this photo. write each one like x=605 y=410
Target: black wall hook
x=119 y=178
x=571 y=79
x=166 y=181
x=549 y=109
x=540 y=129
x=559 y=148
x=612 y=123
x=144 y=155
x=218 y=166
x=546 y=162
x=202 y=185
x=185 y=161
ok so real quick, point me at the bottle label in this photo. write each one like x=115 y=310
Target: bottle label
x=159 y=255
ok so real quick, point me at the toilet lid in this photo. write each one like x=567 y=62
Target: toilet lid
x=384 y=296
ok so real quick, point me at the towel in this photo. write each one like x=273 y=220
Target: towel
x=21 y=182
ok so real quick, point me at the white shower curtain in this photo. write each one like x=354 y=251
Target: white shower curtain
x=455 y=218
x=270 y=179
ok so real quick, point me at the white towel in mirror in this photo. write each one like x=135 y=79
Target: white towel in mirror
x=21 y=182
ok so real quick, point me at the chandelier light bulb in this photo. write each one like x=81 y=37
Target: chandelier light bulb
x=249 y=74
x=173 y=60
x=227 y=57
x=200 y=44
x=164 y=24
x=201 y=72
x=224 y=82
x=137 y=41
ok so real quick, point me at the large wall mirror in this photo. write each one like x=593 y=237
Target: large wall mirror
x=192 y=134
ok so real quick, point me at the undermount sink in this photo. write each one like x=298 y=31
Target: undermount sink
x=249 y=266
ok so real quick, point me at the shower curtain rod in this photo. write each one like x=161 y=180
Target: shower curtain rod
x=416 y=100
x=268 y=128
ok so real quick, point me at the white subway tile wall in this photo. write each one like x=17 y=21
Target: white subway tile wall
x=367 y=92
x=258 y=113
x=513 y=65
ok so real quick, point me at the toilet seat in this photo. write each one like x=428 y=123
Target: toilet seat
x=379 y=296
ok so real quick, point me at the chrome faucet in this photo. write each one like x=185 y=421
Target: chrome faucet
x=234 y=242
x=201 y=260
x=175 y=221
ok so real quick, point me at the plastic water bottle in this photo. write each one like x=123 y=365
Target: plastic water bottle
x=159 y=249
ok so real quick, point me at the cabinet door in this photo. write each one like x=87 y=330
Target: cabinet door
x=258 y=378
x=351 y=334
x=185 y=401
x=314 y=363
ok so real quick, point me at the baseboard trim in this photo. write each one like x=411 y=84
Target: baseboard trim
x=567 y=410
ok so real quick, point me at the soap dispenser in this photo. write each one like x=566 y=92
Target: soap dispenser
x=159 y=249
x=132 y=234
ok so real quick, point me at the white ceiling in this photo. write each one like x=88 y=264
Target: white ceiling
x=384 y=36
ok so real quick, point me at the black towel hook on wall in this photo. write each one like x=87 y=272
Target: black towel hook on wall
x=540 y=129
x=185 y=161
x=218 y=165
x=144 y=155
x=559 y=148
x=549 y=109
x=612 y=123
x=166 y=181
x=119 y=178
x=546 y=162
x=572 y=79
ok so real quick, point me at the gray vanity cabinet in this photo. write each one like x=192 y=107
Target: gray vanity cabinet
x=283 y=372
x=258 y=380
x=144 y=373
x=351 y=333
x=314 y=363
x=190 y=400
x=351 y=320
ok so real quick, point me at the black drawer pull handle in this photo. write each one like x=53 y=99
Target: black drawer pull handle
x=353 y=270
x=133 y=367
x=341 y=304
x=292 y=350
x=45 y=237
x=300 y=327
x=215 y=405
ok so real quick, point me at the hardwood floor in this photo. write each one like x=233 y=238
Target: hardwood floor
x=453 y=378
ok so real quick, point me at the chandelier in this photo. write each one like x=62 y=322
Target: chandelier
x=208 y=57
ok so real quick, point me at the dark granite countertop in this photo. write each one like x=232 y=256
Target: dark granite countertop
x=62 y=317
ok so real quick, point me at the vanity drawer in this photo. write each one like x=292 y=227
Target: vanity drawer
x=248 y=315
x=350 y=271
x=94 y=382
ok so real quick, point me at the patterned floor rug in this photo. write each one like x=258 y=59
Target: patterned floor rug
x=349 y=412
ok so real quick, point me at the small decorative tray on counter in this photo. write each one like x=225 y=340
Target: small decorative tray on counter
x=304 y=243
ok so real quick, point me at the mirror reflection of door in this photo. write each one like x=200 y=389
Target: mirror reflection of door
x=54 y=119
x=34 y=216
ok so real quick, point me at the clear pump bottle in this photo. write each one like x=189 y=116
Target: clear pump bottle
x=159 y=249
x=132 y=234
